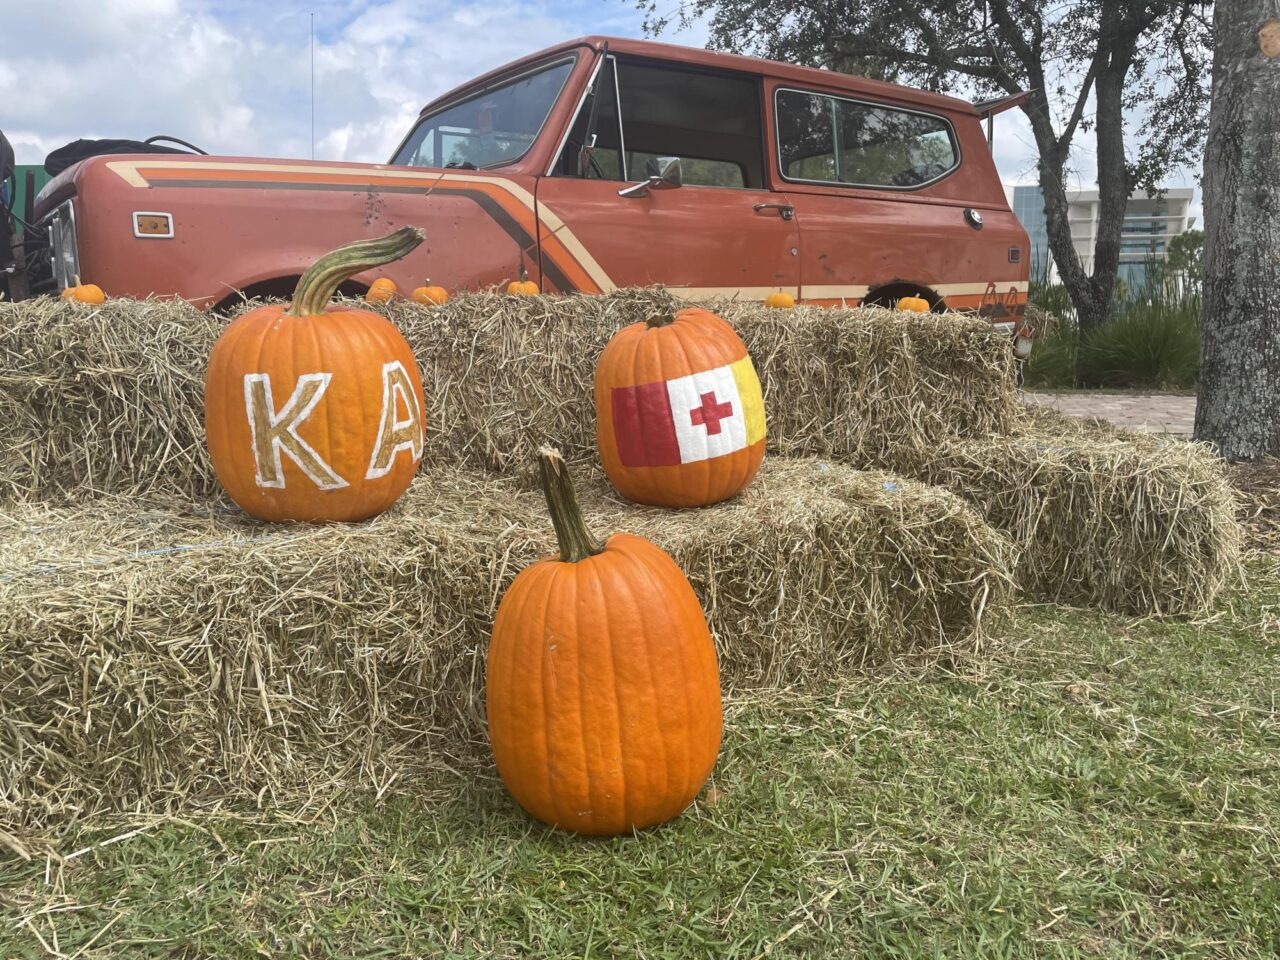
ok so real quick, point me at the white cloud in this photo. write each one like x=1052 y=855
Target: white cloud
x=234 y=76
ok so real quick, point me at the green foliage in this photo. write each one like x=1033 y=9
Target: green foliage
x=1154 y=343
x=1090 y=787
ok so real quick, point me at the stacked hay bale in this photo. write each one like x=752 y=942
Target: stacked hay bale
x=109 y=400
x=156 y=648
x=172 y=654
x=106 y=400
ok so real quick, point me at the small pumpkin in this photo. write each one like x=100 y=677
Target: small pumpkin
x=380 y=291
x=679 y=411
x=314 y=412
x=916 y=304
x=84 y=292
x=625 y=731
x=429 y=294
x=780 y=300
x=524 y=287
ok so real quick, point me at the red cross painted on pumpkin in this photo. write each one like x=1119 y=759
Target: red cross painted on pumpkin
x=710 y=413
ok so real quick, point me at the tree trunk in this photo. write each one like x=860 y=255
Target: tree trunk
x=1239 y=403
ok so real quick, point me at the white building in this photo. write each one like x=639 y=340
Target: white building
x=1149 y=225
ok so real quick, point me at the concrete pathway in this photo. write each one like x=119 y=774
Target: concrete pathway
x=1154 y=412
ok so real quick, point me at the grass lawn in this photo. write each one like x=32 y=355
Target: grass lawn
x=1091 y=786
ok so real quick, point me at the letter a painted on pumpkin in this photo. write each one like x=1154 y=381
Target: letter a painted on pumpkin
x=275 y=433
x=396 y=433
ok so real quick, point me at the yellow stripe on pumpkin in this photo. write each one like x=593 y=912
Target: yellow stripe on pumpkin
x=744 y=374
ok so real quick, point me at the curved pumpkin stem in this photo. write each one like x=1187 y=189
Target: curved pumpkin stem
x=576 y=541
x=323 y=277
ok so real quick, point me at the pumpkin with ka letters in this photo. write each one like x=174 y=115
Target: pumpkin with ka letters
x=84 y=292
x=914 y=304
x=679 y=411
x=780 y=300
x=314 y=412
x=380 y=291
x=524 y=287
x=602 y=687
x=429 y=294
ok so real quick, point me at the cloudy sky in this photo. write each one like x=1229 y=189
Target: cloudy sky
x=234 y=76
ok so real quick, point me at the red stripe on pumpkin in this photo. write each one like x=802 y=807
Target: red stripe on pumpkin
x=642 y=426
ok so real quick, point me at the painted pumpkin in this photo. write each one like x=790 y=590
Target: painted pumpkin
x=679 y=411
x=315 y=412
x=84 y=293
x=524 y=287
x=602 y=688
x=429 y=294
x=914 y=304
x=780 y=300
x=380 y=291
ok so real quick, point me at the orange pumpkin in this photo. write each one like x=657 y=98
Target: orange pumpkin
x=315 y=412
x=380 y=291
x=429 y=294
x=602 y=689
x=780 y=300
x=84 y=293
x=914 y=304
x=524 y=287
x=679 y=411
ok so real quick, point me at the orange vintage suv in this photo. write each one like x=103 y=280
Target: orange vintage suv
x=595 y=164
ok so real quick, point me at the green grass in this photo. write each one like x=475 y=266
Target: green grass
x=1090 y=786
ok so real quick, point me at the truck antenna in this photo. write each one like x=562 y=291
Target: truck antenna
x=313 y=85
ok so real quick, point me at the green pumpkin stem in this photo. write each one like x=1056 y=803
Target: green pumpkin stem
x=323 y=277
x=576 y=541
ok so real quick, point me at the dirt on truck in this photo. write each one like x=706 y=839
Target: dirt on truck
x=595 y=164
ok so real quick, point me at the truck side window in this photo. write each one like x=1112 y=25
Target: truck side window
x=834 y=140
x=604 y=162
x=711 y=121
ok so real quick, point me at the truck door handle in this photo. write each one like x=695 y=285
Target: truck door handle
x=785 y=210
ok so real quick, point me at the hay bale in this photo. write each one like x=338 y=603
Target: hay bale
x=172 y=655
x=110 y=399
x=504 y=373
x=1133 y=523
x=103 y=399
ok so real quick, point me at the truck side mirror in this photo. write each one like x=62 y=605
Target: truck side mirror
x=663 y=174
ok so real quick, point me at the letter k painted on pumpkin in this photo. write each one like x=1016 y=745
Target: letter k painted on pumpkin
x=275 y=433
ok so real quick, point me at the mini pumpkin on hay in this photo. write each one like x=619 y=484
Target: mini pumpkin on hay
x=79 y=292
x=380 y=291
x=314 y=412
x=679 y=411
x=429 y=294
x=602 y=686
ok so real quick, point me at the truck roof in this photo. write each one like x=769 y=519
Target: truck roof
x=696 y=56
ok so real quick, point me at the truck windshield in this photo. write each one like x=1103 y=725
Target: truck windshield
x=490 y=128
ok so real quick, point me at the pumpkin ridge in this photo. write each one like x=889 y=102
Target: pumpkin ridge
x=514 y=670
x=667 y=759
x=661 y=587
x=607 y=596
x=588 y=731
x=553 y=761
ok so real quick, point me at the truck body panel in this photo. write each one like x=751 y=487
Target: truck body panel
x=552 y=206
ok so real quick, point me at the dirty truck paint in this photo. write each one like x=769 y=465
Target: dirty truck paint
x=566 y=262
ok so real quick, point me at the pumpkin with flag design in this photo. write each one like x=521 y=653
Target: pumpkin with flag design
x=679 y=412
